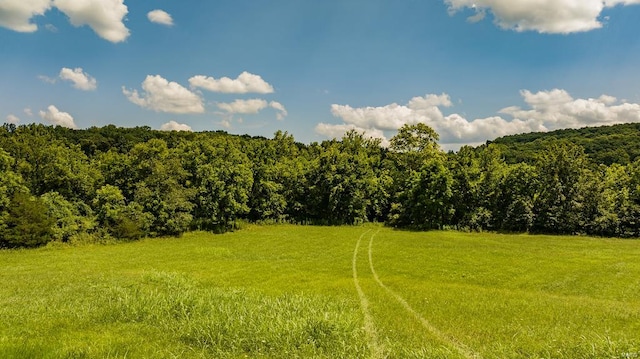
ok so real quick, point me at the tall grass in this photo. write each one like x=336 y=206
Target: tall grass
x=288 y=292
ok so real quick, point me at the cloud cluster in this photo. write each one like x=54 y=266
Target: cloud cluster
x=547 y=110
x=16 y=14
x=252 y=107
x=57 y=118
x=174 y=126
x=556 y=109
x=163 y=96
x=245 y=83
x=160 y=17
x=80 y=79
x=547 y=16
x=105 y=17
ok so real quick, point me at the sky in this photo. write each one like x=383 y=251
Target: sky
x=474 y=70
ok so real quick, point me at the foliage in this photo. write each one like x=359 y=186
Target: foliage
x=559 y=202
x=160 y=187
x=343 y=181
x=603 y=145
x=139 y=182
x=71 y=219
x=26 y=223
x=121 y=220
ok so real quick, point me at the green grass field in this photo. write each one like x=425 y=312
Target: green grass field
x=324 y=292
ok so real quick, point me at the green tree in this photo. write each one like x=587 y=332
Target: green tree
x=343 y=181
x=71 y=219
x=222 y=179
x=161 y=187
x=48 y=164
x=465 y=171
x=518 y=189
x=413 y=149
x=10 y=184
x=27 y=223
x=116 y=217
x=490 y=172
x=559 y=203
x=427 y=204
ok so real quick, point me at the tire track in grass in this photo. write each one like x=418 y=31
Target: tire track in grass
x=369 y=327
x=452 y=342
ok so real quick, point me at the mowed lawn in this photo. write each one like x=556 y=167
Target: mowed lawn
x=324 y=292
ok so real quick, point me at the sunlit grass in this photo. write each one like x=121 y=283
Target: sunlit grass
x=288 y=291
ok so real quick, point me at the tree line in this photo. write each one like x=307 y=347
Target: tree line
x=64 y=185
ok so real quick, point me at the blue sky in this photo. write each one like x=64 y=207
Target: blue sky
x=473 y=70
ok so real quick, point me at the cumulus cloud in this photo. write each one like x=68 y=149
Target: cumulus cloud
x=160 y=17
x=57 y=118
x=174 y=126
x=550 y=16
x=105 y=17
x=17 y=14
x=282 y=111
x=252 y=107
x=27 y=111
x=546 y=110
x=557 y=109
x=80 y=80
x=245 y=83
x=163 y=96
x=13 y=119
x=247 y=107
x=225 y=123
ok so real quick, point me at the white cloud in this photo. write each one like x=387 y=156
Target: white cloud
x=163 y=96
x=389 y=117
x=174 y=126
x=547 y=110
x=57 y=118
x=160 y=17
x=247 y=107
x=252 y=107
x=13 y=119
x=546 y=16
x=282 y=112
x=17 y=14
x=245 y=83
x=556 y=109
x=80 y=80
x=47 y=79
x=28 y=112
x=105 y=17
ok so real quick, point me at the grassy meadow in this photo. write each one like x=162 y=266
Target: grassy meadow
x=324 y=292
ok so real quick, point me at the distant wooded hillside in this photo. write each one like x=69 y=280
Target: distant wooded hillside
x=605 y=145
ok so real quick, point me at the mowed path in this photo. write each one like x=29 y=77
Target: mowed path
x=376 y=348
x=369 y=327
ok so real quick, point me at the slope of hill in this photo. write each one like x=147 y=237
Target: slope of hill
x=607 y=144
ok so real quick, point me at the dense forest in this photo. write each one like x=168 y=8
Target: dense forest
x=58 y=184
x=606 y=144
